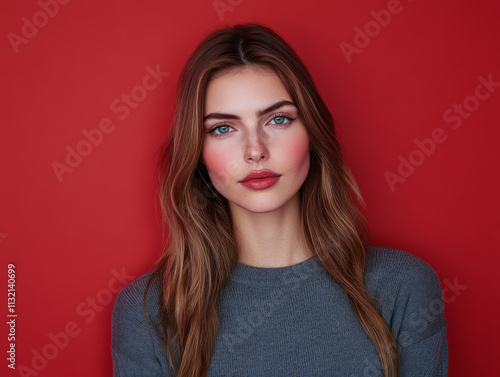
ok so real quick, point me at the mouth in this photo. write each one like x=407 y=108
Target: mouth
x=259 y=175
x=260 y=183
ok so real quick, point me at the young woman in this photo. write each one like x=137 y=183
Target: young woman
x=268 y=269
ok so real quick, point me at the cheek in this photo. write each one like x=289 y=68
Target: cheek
x=218 y=162
x=213 y=159
x=296 y=151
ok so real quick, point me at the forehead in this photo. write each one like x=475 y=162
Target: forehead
x=249 y=87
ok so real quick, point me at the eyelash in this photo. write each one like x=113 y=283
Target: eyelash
x=283 y=115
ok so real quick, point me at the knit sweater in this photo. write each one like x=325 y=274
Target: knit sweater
x=297 y=321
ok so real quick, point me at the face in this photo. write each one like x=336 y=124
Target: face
x=245 y=132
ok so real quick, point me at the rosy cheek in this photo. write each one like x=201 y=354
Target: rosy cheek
x=212 y=159
x=217 y=161
x=296 y=149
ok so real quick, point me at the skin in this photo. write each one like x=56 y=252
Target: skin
x=266 y=222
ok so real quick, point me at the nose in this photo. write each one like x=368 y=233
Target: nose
x=256 y=149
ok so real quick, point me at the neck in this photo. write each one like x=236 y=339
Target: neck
x=271 y=239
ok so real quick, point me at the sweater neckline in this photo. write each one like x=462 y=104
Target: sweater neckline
x=276 y=276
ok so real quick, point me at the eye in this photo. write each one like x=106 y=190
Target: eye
x=278 y=119
x=281 y=119
x=223 y=128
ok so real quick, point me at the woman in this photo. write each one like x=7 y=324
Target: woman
x=268 y=268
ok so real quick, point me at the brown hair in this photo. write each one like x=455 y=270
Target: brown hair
x=195 y=266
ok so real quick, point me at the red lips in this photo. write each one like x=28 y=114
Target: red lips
x=258 y=174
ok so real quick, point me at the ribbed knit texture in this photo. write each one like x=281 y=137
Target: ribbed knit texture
x=297 y=321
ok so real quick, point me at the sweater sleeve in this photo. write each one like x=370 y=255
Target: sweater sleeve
x=419 y=323
x=133 y=349
x=427 y=357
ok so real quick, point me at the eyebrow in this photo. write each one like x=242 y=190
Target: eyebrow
x=259 y=113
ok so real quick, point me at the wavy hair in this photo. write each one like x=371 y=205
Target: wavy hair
x=195 y=266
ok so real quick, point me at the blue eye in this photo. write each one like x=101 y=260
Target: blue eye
x=282 y=118
x=279 y=119
x=222 y=126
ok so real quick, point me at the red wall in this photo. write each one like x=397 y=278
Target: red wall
x=78 y=236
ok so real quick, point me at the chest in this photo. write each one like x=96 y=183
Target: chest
x=308 y=330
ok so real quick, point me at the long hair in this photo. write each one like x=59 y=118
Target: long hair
x=195 y=265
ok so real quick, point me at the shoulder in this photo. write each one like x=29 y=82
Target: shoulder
x=136 y=334
x=135 y=290
x=136 y=303
x=398 y=269
x=394 y=259
x=408 y=292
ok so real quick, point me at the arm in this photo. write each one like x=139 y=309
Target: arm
x=421 y=329
x=133 y=349
x=426 y=358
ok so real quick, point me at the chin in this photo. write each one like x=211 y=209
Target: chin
x=261 y=206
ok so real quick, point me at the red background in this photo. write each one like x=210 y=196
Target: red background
x=66 y=238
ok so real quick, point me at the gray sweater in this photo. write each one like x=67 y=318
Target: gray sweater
x=296 y=321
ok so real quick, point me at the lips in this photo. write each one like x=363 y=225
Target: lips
x=260 y=174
